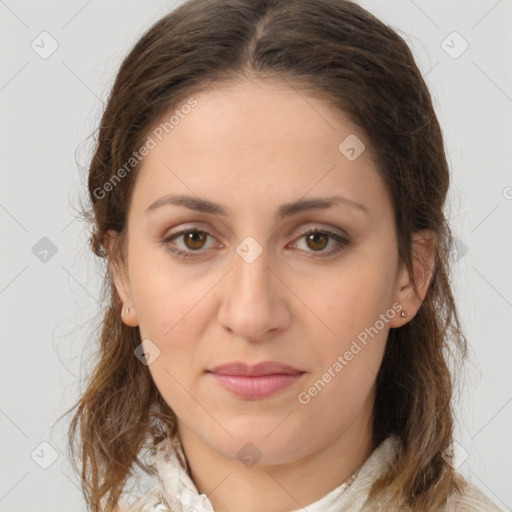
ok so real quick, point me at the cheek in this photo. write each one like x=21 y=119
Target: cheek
x=352 y=299
x=353 y=305
x=166 y=296
x=343 y=379
x=171 y=312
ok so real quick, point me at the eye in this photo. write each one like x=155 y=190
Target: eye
x=194 y=240
x=318 y=239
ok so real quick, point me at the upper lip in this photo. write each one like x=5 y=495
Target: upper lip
x=263 y=368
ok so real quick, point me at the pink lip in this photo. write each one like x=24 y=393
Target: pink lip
x=256 y=381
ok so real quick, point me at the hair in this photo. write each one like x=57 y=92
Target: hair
x=338 y=51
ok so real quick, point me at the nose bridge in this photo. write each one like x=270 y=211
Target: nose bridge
x=251 y=303
x=251 y=270
x=252 y=276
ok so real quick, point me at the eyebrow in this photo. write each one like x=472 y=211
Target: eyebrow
x=285 y=210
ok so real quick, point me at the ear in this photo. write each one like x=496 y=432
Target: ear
x=121 y=281
x=423 y=261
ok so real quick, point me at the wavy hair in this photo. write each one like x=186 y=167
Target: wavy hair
x=338 y=51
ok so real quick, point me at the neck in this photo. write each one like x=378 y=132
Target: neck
x=231 y=486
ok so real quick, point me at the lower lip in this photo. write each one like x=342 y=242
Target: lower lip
x=256 y=387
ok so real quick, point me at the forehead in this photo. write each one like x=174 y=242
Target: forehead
x=247 y=115
x=254 y=139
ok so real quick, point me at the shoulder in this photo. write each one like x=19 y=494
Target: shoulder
x=470 y=499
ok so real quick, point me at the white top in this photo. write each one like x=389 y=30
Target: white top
x=175 y=491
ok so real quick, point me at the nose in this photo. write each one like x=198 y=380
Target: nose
x=253 y=299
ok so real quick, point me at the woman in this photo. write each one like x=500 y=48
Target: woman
x=268 y=190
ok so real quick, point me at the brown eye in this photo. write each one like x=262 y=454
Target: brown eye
x=317 y=241
x=195 y=240
x=191 y=243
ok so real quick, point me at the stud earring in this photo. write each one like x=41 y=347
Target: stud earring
x=403 y=314
x=128 y=309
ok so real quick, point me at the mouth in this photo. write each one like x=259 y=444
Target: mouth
x=260 y=386
x=255 y=381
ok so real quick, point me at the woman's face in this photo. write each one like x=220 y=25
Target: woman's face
x=253 y=286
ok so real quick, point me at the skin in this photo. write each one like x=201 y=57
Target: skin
x=239 y=143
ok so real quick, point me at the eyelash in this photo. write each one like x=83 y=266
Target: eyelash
x=344 y=242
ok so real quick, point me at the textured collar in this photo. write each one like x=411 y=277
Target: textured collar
x=176 y=491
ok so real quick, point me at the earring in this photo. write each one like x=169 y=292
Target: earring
x=128 y=309
x=403 y=314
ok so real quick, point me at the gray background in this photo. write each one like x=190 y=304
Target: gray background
x=48 y=108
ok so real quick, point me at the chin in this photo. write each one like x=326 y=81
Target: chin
x=255 y=446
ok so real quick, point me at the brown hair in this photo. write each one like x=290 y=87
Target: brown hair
x=340 y=52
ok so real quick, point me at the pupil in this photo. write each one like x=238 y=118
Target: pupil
x=312 y=238
x=192 y=238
